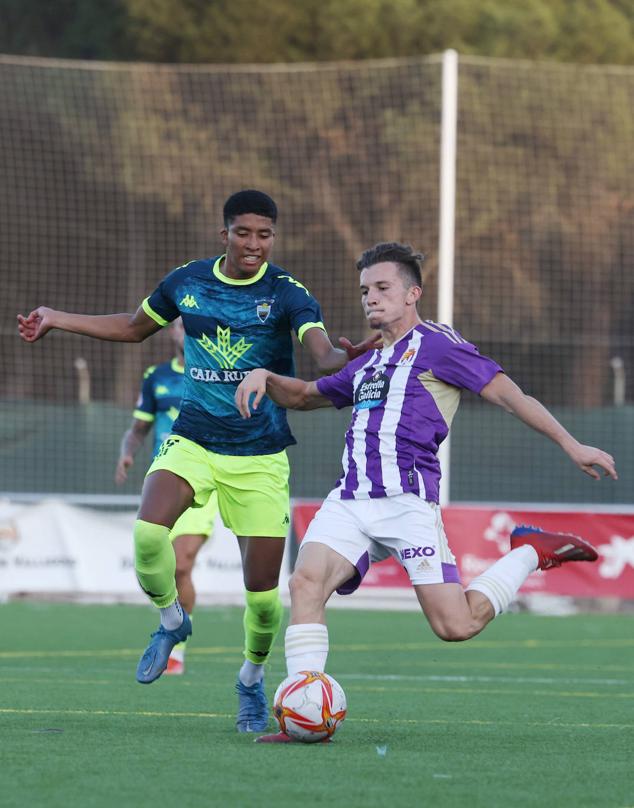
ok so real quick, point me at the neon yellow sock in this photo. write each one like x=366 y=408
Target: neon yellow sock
x=155 y=562
x=262 y=621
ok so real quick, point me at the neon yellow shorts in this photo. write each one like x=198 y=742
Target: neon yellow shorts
x=252 y=490
x=197 y=521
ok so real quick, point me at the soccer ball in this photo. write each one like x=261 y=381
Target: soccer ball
x=309 y=706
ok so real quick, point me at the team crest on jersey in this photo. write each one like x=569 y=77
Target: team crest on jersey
x=263 y=309
x=373 y=392
x=162 y=390
x=407 y=357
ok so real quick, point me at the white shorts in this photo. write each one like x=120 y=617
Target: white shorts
x=405 y=527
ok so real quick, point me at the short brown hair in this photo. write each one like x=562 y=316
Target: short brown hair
x=403 y=255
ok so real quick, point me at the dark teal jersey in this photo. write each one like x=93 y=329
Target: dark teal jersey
x=231 y=328
x=160 y=398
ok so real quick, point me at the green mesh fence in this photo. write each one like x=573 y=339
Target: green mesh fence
x=111 y=175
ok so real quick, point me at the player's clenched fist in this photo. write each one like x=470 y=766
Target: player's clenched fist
x=36 y=325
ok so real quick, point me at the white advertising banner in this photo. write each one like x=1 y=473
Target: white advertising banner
x=52 y=548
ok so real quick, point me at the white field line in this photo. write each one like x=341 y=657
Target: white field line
x=538 y=680
x=458 y=721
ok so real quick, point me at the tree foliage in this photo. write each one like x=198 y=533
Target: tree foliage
x=263 y=31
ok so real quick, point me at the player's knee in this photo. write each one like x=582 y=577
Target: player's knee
x=184 y=563
x=183 y=569
x=305 y=583
x=148 y=540
x=265 y=607
x=453 y=631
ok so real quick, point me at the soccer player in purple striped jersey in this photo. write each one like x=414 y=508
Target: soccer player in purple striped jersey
x=403 y=398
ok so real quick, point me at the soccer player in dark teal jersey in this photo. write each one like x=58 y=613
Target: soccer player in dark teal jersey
x=238 y=311
x=156 y=410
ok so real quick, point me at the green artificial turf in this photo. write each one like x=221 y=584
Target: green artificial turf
x=536 y=711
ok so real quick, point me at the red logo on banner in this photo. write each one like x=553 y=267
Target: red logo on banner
x=479 y=536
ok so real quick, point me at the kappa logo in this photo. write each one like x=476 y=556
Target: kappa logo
x=222 y=350
x=189 y=301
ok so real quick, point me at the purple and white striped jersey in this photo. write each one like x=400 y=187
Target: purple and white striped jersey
x=404 y=399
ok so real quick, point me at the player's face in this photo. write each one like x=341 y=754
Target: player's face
x=385 y=297
x=248 y=241
x=177 y=334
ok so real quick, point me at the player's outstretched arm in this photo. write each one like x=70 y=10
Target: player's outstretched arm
x=130 y=444
x=330 y=359
x=505 y=393
x=294 y=394
x=114 y=327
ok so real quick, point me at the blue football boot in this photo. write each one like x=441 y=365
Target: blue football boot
x=154 y=660
x=253 y=708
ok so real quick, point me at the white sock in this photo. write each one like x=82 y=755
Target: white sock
x=502 y=580
x=172 y=616
x=250 y=673
x=306 y=647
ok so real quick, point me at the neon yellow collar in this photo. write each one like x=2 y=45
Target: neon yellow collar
x=238 y=281
x=176 y=365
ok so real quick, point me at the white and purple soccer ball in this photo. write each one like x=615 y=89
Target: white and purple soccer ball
x=309 y=706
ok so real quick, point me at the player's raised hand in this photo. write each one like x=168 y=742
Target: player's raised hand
x=124 y=464
x=587 y=457
x=369 y=344
x=36 y=325
x=253 y=384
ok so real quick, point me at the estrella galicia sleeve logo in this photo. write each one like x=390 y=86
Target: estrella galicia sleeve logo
x=373 y=392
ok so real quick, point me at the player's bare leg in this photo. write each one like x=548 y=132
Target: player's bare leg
x=165 y=497
x=319 y=571
x=452 y=613
x=186 y=549
x=261 y=564
x=455 y=615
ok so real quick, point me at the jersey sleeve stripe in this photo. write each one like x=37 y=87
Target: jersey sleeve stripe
x=307 y=326
x=437 y=329
x=151 y=313
x=143 y=416
x=450 y=331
